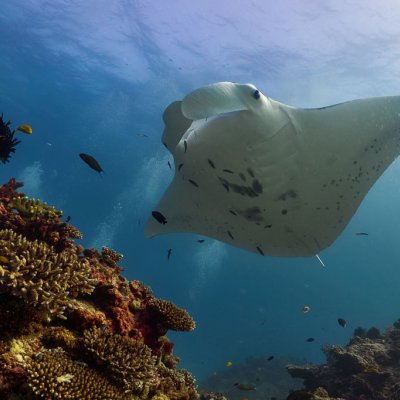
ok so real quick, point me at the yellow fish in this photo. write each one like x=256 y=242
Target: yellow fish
x=4 y=260
x=229 y=363
x=25 y=128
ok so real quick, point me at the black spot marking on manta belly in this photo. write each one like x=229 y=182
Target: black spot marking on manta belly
x=224 y=183
x=250 y=172
x=252 y=214
x=251 y=191
x=193 y=183
x=260 y=251
x=211 y=163
x=290 y=194
x=256 y=94
x=257 y=187
x=230 y=235
x=159 y=217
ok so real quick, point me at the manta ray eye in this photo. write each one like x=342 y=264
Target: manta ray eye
x=256 y=94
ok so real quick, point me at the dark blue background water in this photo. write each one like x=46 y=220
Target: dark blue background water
x=89 y=76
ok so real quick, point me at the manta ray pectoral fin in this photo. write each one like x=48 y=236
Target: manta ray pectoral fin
x=218 y=98
x=176 y=124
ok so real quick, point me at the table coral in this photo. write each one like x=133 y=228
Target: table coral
x=71 y=327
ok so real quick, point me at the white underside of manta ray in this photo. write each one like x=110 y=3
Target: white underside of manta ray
x=268 y=177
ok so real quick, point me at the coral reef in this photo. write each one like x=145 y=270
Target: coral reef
x=53 y=375
x=71 y=327
x=7 y=141
x=33 y=219
x=365 y=369
x=43 y=278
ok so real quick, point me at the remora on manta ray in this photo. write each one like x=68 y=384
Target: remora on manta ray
x=271 y=178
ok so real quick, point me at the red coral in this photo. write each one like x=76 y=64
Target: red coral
x=9 y=190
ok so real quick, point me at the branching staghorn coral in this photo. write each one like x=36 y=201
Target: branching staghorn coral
x=31 y=208
x=128 y=361
x=33 y=271
x=172 y=317
x=53 y=375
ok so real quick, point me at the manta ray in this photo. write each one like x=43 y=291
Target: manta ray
x=268 y=177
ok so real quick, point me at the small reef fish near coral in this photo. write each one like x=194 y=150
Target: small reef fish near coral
x=24 y=128
x=341 y=322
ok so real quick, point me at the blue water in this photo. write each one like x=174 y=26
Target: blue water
x=89 y=76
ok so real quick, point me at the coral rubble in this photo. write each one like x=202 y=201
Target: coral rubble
x=71 y=327
x=367 y=368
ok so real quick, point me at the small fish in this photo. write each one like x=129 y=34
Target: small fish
x=260 y=251
x=141 y=135
x=200 y=241
x=243 y=386
x=270 y=358
x=211 y=163
x=341 y=322
x=228 y=171
x=180 y=166
x=306 y=309
x=263 y=322
x=169 y=253
x=91 y=161
x=4 y=260
x=159 y=217
x=229 y=363
x=185 y=144
x=169 y=165
x=232 y=212
x=230 y=235
x=310 y=339
x=226 y=186
x=193 y=183
x=49 y=144
x=68 y=218
x=25 y=128
x=361 y=234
